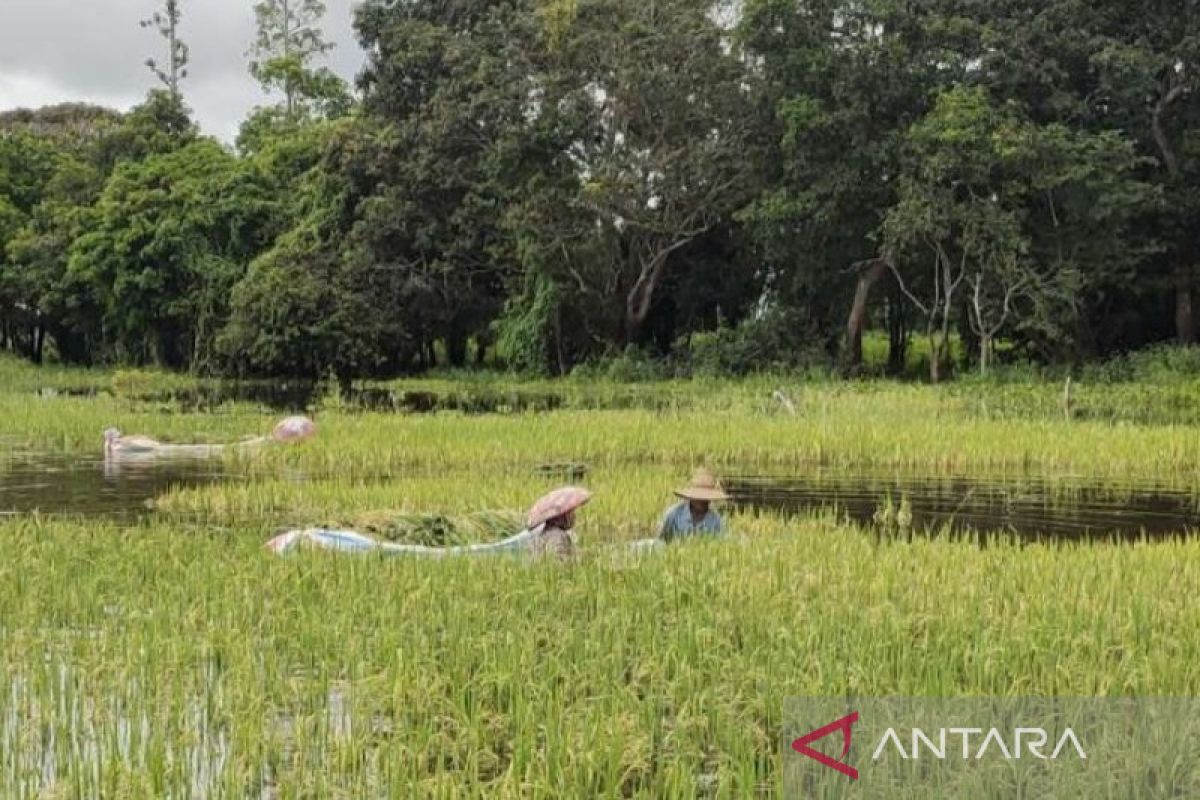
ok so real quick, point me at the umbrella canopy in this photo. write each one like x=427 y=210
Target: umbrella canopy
x=559 y=502
x=294 y=429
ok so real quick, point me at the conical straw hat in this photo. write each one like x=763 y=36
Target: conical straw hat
x=294 y=429
x=559 y=502
x=704 y=486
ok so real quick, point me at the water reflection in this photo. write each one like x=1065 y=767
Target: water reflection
x=1032 y=506
x=1029 y=506
x=74 y=485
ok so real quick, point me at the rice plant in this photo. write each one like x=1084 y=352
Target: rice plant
x=175 y=658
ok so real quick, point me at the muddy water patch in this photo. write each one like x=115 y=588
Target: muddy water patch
x=73 y=484
x=63 y=484
x=1029 y=506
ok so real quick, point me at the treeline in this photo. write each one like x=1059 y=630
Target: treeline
x=548 y=182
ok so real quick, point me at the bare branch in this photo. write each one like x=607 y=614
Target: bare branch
x=904 y=289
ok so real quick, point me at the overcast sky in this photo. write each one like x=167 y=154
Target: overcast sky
x=55 y=51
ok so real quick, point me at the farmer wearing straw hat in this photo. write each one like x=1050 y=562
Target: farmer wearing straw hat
x=694 y=516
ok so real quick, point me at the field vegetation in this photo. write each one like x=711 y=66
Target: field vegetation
x=177 y=659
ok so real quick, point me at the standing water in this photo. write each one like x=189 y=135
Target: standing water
x=64 y=484
x=1028 y=506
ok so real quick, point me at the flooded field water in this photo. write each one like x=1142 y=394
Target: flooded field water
x=65 y=484
x=1028 y=506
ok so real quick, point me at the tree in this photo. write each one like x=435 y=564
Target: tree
x=1150 y=65
x=1003 y=207
x=650 y=100
x=64 y=123
x=839 y=85
x=160 y=124
x=289 y=40
x=451 y=89
x=171 y=236
x=288 y=317
x=1109 y=67
x=315 y=303
x=167 y=23
x=50 y=171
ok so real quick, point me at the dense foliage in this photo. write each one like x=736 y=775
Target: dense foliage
x=548 y=182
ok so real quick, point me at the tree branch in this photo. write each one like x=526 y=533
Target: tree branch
x=1173 y=95
x=904 y=289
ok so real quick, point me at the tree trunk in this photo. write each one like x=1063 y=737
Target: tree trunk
x=1182 y=278
x=637 y=309
x=456 y=345
x=869 y=273
x=985 y=353
x=39 y=341
x=289 y=89
x=1182 y=275
x=935 y=358
x=559 y=362
x=970 y=338
x=897 y=337
x=640 y=298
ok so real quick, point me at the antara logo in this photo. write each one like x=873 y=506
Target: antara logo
x=1034 y=740
x=801 y=745
x=1023 y=740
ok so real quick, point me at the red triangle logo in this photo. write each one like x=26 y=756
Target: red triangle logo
x=801 y=745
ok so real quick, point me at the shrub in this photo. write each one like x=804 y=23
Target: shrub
x=778 y=340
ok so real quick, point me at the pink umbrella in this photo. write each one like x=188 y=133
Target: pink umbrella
x=559 y=502
x=294 y=429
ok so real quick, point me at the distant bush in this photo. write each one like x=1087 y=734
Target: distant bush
x=132 y=382
x=778 y=341
x=1158 y=364
x=632 y=365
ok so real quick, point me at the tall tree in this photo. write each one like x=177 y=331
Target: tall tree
x=1148 y=63
x=167 y=22
x=289 y=40
x=170 y=237
x=1109 y=66
x=662 y=150
x=994 y=201
x=451 y=85
x=841 y=82
x=52 y=168
x=316 y=303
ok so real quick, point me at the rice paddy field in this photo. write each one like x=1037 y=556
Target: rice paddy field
x=166 y=654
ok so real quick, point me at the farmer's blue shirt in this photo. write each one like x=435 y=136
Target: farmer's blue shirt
x=678 y=523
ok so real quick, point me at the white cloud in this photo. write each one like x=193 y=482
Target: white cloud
x=54 y=51
x=21 y=90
